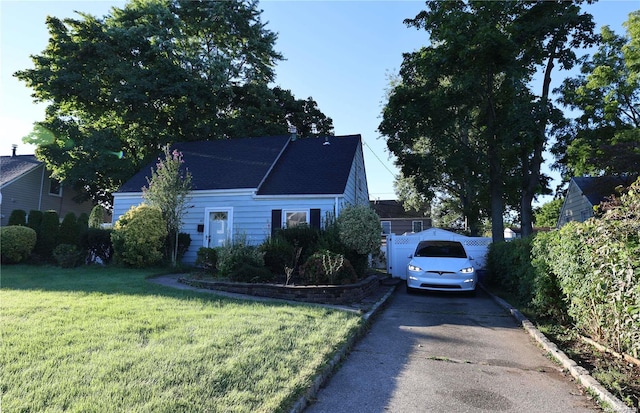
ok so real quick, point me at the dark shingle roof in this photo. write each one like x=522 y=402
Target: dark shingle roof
x=310 y=166
x=597 y=188
x=221 y=164
x=12 y=167
x=394 y=209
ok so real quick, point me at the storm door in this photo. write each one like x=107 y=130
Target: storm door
x=219 y=223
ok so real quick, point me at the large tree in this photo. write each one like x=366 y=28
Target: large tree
x=605 y=137
x=468 y=96
x=151 y=73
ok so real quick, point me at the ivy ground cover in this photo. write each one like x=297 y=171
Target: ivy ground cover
x=107 y=340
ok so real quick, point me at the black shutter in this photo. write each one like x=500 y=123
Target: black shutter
x=314 y=219
x=276 y=220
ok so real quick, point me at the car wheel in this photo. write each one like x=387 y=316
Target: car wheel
x=410 y=290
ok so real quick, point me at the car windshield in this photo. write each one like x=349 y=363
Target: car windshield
x=440 y=249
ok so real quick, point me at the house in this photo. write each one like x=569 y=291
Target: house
x=396 y=220
x=26 y=184
x=584 y=193
x=252 y=186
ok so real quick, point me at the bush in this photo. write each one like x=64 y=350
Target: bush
x=17 y=217
x=66 y=255
x=249 y=273
x=34 y=220
x=326 y=267
x=360 y=229
x=278 y=254
x=17 y=243
x=83 y=223
x=184 y=242
x=301 y=236
x=69 y=230
x=509 y=267
x=207 y=258
x=48 y=235
x=138 y=236
x=96 y=218
x=97 y=244
x=231 y=257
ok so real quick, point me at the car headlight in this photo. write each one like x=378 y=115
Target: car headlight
x=467 y=270
x=414 y=268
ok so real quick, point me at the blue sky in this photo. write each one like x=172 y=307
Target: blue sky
x=338 y=52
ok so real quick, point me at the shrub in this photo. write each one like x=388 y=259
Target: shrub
x=97 y=244
x=326 y=267
x=236 y=254
x=34 y=220
x=66 y=255
x=48 y=235
x=301 y=236
x=17 y=217
x=17 y=243
x=83 y=222
x=138 y=236
x=360 y=229
x=184 y=242
x=96 y=218
x=278 y=254
x=207 y=258
x=249 y=273
x=509 y=267
x=69 y=230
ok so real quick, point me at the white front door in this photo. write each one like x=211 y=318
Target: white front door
x=218 y=227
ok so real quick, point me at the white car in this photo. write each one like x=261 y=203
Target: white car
x=441 y=266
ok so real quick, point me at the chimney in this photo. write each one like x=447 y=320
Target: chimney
x=13 y=150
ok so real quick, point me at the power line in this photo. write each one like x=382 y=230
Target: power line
x=379 y=160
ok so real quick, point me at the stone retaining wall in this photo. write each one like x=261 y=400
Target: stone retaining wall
x=325 y=294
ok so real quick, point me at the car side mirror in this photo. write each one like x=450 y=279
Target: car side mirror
x=470 y=258
x=410 y=256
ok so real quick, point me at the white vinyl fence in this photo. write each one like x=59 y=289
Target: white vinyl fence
x=401 y=247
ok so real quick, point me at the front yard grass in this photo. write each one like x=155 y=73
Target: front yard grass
x=106 y=340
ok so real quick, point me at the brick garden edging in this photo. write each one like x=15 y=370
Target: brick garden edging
x=324 y=294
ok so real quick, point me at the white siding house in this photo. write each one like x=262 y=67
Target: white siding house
x=250 y=187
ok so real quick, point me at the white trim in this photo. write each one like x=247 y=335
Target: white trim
x=197 y=193
x=298 y=196
x=207 y=211
x=22 y=175
x=294 y=211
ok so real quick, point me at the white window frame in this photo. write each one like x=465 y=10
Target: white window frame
x=285 y=212
x=382 y=224
x=413 y=226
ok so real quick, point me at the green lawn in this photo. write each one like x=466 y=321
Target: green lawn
x=107 y=340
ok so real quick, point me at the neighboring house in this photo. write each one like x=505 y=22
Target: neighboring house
x=250 y=187
x=26 y=184
x=396 y=220
x=584 y=193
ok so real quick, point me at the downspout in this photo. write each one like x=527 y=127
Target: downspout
x=41 y=188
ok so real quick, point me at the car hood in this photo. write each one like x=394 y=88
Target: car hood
x=441 y=264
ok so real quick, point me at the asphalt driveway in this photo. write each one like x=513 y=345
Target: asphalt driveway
x=448 y=353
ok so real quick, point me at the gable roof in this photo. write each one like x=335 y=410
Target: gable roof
x=312 y=166
x=394 y=209
x=273 y=165
x=597 y=188
x=13 y=167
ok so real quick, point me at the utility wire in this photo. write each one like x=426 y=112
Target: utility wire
x=378 y=158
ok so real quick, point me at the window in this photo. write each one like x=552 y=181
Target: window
x=386 y=227
x=295 y=218
x=54 y=187
x=416 y=226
